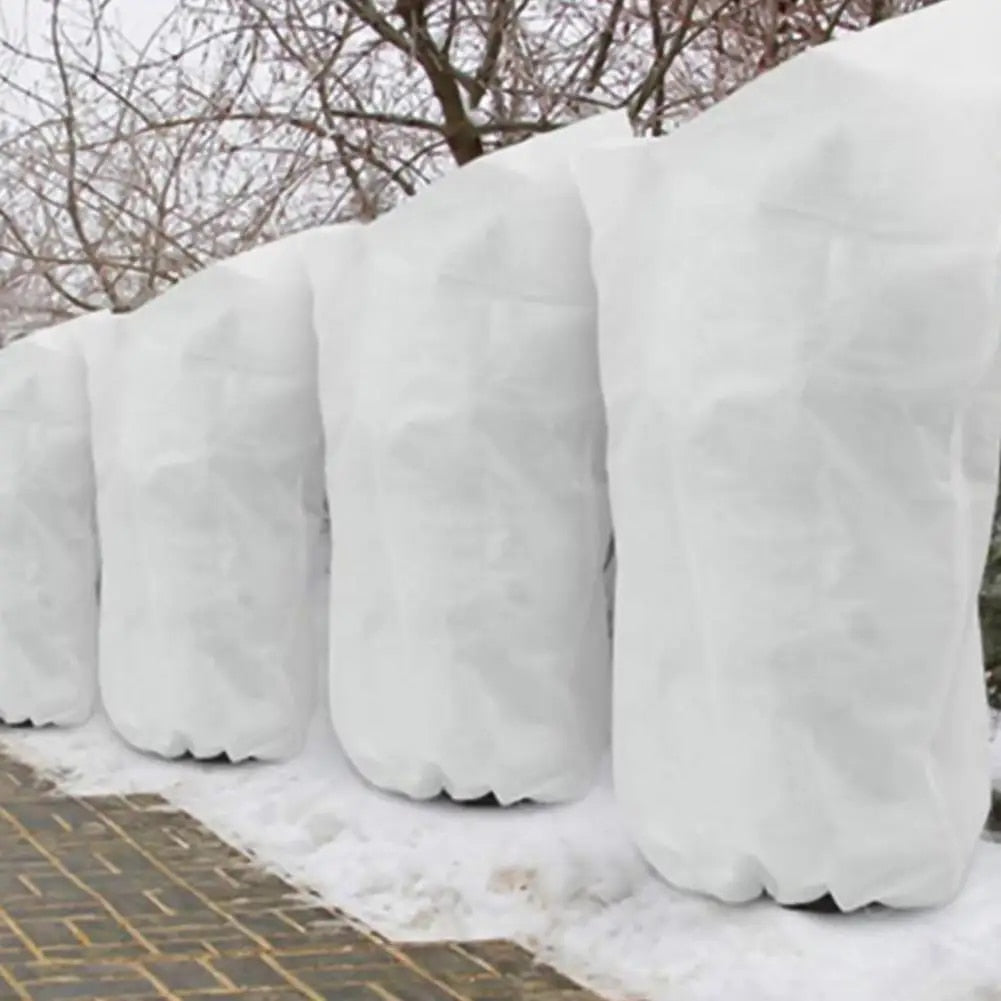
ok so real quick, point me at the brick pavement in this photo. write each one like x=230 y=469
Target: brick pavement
x=127 y=899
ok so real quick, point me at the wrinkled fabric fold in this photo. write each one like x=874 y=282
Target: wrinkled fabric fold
x=465 y=472
x=48 y=569
x=208 y=451
x=799 y=339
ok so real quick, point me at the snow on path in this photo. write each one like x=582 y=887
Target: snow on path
x=563 y=880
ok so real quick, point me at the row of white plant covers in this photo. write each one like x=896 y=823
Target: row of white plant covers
x=789 y=312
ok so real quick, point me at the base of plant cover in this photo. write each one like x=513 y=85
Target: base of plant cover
x=994 y=819
x=822 y=905
x=222 y=758
x=489 y=801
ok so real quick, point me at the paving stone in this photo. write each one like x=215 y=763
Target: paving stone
x=356 y=955
x=102 y=931
x=446 y=961
x=40 y=970
x=249 y=971
x=124 y=898
x=331 y=981
x=95 y=953
x=184 y=975
x=492 y=989
x=351 y=992
x=269 y=994
x=86 y=989
x=402 y=984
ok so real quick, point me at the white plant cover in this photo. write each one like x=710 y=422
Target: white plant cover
x=208 y=453
x=48 y=546
x=465 y=472
x=799 y=340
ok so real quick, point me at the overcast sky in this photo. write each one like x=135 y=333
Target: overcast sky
x=138 y=17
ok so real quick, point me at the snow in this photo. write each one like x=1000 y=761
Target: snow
x=564 y=881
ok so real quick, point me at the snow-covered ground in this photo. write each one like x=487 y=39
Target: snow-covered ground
x=564 y=881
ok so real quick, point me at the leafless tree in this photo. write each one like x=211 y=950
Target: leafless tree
x=134 y=156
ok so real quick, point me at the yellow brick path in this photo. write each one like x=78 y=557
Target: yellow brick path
x=127 y=899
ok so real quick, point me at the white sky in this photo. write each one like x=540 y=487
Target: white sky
x=137 y=17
